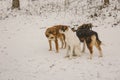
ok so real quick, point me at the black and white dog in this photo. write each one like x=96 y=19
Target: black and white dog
x=89 y=38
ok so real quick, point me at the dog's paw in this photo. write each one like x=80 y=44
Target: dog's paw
x=70 y=57
x=101 y=56
x=82 y=51
x=61 y=48
x=50 y=49
x=66 y=56
x=57 y=52
x=78 y=55
x=90 y=58
x=64 y=47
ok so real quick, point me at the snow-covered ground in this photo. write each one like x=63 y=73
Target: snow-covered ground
x=24 y=48
x=24 y=52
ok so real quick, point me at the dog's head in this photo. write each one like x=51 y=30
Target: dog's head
x=86 y=26
x=51 y=33
x=63 y=29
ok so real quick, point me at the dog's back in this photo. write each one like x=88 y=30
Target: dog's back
x=86 y=34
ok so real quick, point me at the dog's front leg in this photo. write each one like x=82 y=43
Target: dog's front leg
x=84 y=43
x=77 y=50
x=68 y=49
x=50 y=45
x=71 y=52
x=56 y=45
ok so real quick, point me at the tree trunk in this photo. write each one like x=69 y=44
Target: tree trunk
x=119 y=1
x=106 y=2
x=15 y=4
x=66 y=3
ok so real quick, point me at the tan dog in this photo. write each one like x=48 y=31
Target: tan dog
x=52 y=33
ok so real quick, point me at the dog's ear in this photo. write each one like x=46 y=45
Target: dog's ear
x=73 y=29
x=64 y=28
x=90 y=25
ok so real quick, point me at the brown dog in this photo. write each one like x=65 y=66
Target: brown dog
x=52 y=33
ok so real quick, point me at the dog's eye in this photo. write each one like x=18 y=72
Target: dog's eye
x=49 y=32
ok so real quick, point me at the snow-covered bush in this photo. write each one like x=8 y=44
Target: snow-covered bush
x=82 y=10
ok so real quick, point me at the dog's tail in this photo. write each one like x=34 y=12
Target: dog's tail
x=99 y=42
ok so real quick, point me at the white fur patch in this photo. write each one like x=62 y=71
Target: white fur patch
x=73 y=43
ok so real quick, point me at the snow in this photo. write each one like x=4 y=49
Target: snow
x=24 y=47
x=24 y=53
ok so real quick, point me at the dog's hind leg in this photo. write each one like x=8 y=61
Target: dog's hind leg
x=90 y=47
x=91 y=42
x=99 y=48
x=62 y=42
x=65 y=44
